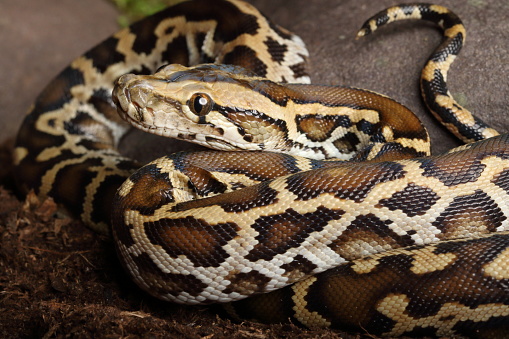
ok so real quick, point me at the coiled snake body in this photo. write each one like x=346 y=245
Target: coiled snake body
x=392 y=242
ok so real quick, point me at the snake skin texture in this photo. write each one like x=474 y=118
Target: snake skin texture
x=320 y=204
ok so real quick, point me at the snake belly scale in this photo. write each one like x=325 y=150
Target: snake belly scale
x=321 y=201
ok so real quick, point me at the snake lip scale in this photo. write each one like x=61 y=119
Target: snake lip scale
x=320 y=204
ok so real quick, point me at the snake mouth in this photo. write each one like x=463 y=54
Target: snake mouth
x=128 y=109
x=121 y=99
x=132 y=98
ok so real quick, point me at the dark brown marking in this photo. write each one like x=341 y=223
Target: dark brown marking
x=367 y=231
x=470 y=214
x=320 y=127
x=161 y=283
x=391 y=151
x=412 y=200
x=269 y=308
x=151 y=189
x=278 y=233
x=237 y=201
x=247 y=283
x=101 y=100
x=276 y=50
x=453 y=169
x=392 y=114
x=298 y=268
x=203 y=182
x=57 y=92
x=282 y=32
x=30 y=171
x=248 y=120
x=105 y=193
x=145 y=36
x=97 y=132
x=105 y=54
x=247 y=58
x=300 y=70
x=71 y=179
x=176 y=52
x=348 y=143
x=366 y=127
x=259 y=166
x=351 y=181
x=502 y=180
x=198 y=240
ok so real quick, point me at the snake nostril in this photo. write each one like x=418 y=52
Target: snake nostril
x=124 y=79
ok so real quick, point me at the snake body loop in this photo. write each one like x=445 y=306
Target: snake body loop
x=68 y=141
x=320 y=203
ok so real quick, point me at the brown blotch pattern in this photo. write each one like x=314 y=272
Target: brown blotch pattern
x=202 y=181
x=72 y=179
x=247 y=121
x=298 y=268
x=278 y=233
x=453 y=169
x=368 y=233
x=349 y=300
x=259 y=166
x=348 y=143
x=247 y=58
x=502 y=180
x=101 y=100
x=319 y=127
x=176 y=52
x=276 y=50
x=151 y=190
x=470 y=214
x=57 y=92
x=300 y=69
x=236 y=201
x=160 y=283
x=412 y=200
x=199 y=241
x=392 y=114
x=351 y=181
x=99 y=135
x=247 y=283
x=463 y=276
x=105 y=54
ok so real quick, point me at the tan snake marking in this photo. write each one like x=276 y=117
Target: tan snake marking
x=219 y=226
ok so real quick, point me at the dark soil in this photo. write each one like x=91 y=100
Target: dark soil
x=59 y=279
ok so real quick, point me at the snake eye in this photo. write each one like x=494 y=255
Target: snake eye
x=200 y=104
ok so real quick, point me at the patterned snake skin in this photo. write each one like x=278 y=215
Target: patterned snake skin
x=391 y=242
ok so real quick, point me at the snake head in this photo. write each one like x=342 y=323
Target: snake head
x=220 y=106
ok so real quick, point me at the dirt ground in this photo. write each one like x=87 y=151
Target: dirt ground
x=58 y=279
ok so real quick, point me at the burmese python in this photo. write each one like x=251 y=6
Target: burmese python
x=271 y=219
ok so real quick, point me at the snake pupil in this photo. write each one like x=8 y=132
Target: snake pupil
x=200 y=104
